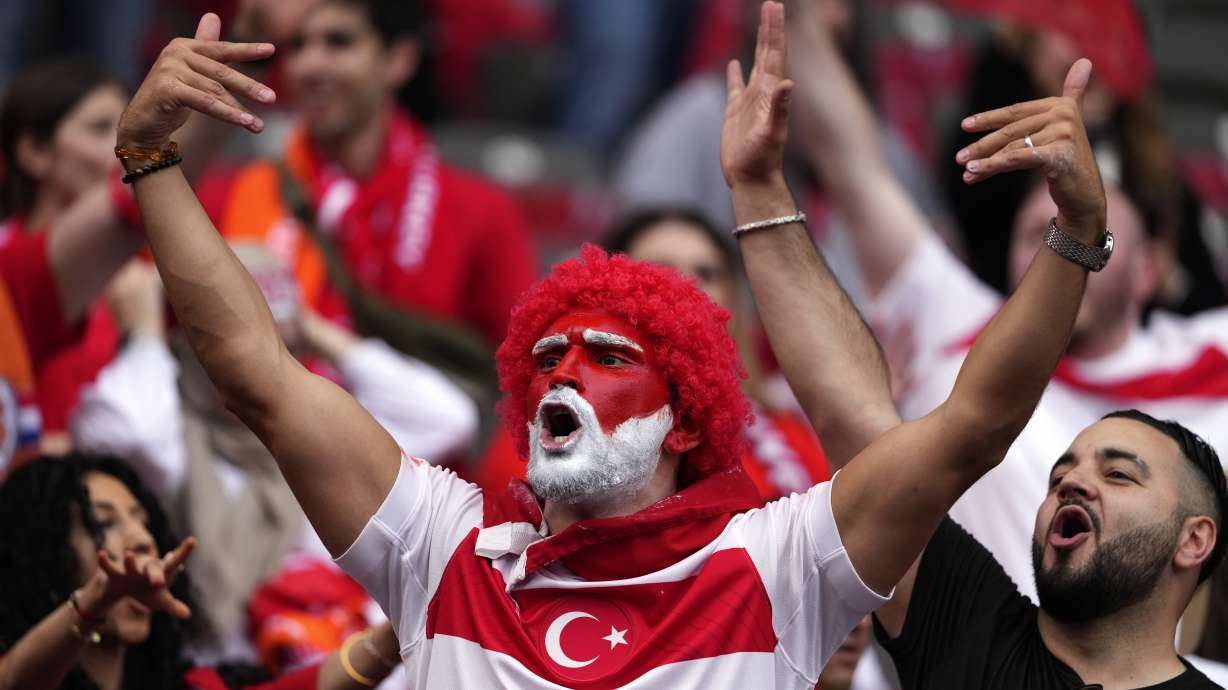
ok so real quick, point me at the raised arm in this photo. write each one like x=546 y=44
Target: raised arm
x=839 y=133
x=892 y=495
x=335 y=457
x=827 y=353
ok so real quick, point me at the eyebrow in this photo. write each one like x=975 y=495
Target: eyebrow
x=550 y=341
x=1067 y=458
x=610 y=339
x=1111 y=453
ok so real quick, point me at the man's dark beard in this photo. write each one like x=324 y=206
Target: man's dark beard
x=1121 y=572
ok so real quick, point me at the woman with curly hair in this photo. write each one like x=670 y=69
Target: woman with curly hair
x=94 y=595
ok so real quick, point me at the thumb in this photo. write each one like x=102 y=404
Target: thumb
x=1076 y=80
x=209 y=28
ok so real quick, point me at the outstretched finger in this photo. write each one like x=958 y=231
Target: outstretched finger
x=209 y=28
x=108 y=565
x=235 y=81
x=225 y=51
x=1000 y=117
x=165 y=601
x=991 y=143
x=1021 y=158
x=733 y=80
x=178 y=556
x=152 y=571
x=773 y=58
x=1076 y=80
x=216 y=107
x=208 y=86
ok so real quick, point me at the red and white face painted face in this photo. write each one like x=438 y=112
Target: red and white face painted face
x=599 y=408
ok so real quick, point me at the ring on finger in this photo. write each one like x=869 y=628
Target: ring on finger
x=1028 y=140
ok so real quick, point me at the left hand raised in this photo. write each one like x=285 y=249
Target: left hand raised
x=757 y=112
x=1059 y=148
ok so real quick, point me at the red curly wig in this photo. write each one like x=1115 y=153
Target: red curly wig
x=686 y=329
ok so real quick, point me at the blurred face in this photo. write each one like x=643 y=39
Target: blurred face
x=123 y=523
x=81 y=151
x=1108 y=528
x=341 y=72
x=600 y=410
x=838 y=673
x=686 y=249
x=1115 y=295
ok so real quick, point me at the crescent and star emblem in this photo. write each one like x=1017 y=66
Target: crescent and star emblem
x=554 y=635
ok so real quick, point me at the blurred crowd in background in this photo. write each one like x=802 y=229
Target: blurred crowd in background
x=426 y=161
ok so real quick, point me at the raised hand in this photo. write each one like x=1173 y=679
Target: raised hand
x=757 y=112
x=191 y=74
x=1059 y=148
x=147 y=578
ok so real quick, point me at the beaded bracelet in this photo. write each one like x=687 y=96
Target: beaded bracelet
x=154 y=167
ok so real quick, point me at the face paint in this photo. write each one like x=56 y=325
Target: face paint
x=587 y=465
x=604 y=359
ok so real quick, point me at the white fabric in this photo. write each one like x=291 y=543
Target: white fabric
x=816 y=595
x=943 y=304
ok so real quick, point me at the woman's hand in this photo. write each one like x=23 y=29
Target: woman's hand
x=191 y=74
x=145 y=578
x=757 y=112
x=1059 y=148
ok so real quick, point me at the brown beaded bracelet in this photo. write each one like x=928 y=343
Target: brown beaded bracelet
x=163 y=164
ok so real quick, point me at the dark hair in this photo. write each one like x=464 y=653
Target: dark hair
x=39 y=567
x=627 y=230
x=34 y=105
x=1210 y=475
x=391 y=19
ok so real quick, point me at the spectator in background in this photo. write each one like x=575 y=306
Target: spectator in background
x=154 y=406
x=1172 y=367
x=669 y=160
x=88 y=602
x=782 y=454
x=362 y=176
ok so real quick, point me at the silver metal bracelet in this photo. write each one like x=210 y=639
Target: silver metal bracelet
x=744 y=228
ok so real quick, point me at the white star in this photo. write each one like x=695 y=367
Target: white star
x=616 y=637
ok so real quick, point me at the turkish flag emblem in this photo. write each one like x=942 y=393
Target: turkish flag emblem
x=586 y=638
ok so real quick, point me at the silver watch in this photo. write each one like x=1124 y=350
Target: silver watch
x=1091 y=258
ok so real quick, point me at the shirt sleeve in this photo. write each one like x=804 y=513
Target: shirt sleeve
x=433 y=420
x=26 y=269
x=936 y=300
x=400 y=556
x=133 y=411
x=961 y=601
x=817 y=596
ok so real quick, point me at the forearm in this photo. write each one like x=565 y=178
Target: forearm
x=51 y=649
x=85 y=248
x=1010 y=363
x=830 y=358
x=374 y=659
x=217 y=304
x=841 y=136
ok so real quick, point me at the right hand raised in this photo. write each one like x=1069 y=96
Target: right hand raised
x=191 y=74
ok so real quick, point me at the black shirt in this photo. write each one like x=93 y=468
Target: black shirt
x=969 y=627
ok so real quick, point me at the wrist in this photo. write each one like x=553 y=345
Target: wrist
x=92 y=599
x=1088 y=229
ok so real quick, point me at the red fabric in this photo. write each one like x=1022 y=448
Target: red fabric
x=799 y=446
x=26 y=270
x=206 y=678
x=65 y=373
x=629 y=546
x=1109 y=32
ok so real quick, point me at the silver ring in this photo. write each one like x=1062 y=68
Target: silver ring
x=1028 y=140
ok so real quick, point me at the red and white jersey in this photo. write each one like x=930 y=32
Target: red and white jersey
x=1175 y=367
x=762 y=603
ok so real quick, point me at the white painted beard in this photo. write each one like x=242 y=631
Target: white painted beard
x=592 y=466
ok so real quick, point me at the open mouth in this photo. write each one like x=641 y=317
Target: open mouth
x=1071 y=527
x=560 y=426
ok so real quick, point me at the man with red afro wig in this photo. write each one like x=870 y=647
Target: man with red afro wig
x=636 y=555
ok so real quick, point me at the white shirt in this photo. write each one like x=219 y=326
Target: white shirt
x=944 y=304
x=763 y=605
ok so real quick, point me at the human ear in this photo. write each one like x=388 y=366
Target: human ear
x=34 y=157
x=1195 y=543
x=404 y=57
x=683 y=436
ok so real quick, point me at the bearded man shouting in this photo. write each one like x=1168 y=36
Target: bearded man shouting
x=633 y=556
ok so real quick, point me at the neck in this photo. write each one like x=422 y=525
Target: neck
x=1132 y=648
x=358 y=151
x=46 y=210
x=1102 y=342
x=664 y=482
x=104 y=664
